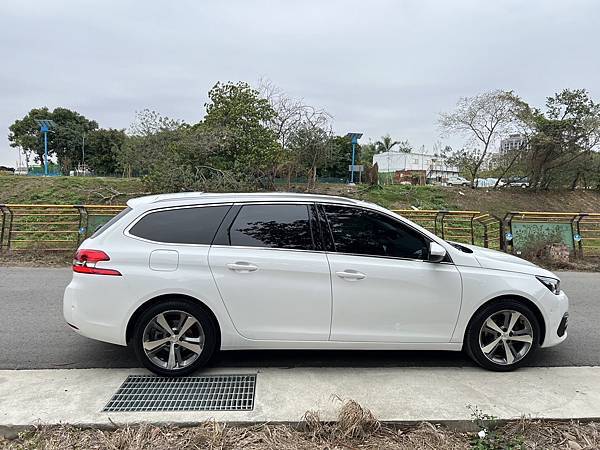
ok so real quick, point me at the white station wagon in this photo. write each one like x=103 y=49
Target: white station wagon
x=180 y=276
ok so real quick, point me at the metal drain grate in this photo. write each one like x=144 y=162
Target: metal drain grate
x=209 y=393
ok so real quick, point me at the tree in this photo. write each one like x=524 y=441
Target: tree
x=311 y=146
x=25 y=134
x=102 y=148
x=149 y=138
x=65 y=139
x=241 y=116
x=386 y=144
x=467 y=160
x=481 y=119
x=563 y=137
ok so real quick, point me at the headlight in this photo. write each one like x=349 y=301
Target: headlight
x=551 y=283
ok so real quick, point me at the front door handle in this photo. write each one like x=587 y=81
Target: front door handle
x=351 y=275
x=241 y=267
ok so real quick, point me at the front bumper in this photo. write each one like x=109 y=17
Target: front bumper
x=557 y=314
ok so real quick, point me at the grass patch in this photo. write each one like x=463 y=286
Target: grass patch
x=405 y=196
x=68 y=190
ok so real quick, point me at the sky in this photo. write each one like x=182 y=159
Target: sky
x=377 y=66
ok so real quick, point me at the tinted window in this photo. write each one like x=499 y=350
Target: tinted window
x=274 y=226
x=364 y=232
x=181 y=226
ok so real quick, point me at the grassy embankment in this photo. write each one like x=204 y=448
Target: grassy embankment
x=97 y=190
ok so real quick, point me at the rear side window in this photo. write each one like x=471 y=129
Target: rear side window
x=363 y=232
x=273 y=226
x=110 y=223
x=181 y=226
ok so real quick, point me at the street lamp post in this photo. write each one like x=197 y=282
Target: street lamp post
x=354 y=139
x=45 y=125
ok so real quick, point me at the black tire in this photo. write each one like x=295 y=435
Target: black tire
x=472 y=343
x=195 y=310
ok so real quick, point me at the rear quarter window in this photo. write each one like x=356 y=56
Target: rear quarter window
x=196 y=225
x=110 y=223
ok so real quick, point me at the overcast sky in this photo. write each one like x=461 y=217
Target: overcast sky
x=377 y=66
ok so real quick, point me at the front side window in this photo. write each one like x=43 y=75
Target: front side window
x=273 y=226
x=182 y=225
x=363 y=232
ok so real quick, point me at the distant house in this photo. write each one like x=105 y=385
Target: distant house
x=433 y=167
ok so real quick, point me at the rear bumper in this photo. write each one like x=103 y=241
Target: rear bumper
x=88 y=308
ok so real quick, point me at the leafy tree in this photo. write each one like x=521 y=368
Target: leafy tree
x=386 y=144
x=366 y=153
x=102 y=148
x=563 y=139
x=149 y=138
x=241 y=116
x=65 y=139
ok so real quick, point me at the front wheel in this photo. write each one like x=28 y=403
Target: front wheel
x=174 y=338
x=503 y=336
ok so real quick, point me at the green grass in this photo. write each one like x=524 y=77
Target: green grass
x=68 y=190
x=405 y=196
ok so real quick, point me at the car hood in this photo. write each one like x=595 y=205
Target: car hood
x=493 y=259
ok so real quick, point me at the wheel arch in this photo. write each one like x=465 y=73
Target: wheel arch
x=531 y=305
x=164 y=297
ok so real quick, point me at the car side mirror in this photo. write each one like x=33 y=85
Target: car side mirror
x=437 y=253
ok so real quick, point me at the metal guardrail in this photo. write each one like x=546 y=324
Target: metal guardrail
x=469 y=227
x=585 y=228
x=50 y=227
x=63 y=227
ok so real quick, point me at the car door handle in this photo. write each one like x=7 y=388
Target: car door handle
x=242 y=267
x=351 y=275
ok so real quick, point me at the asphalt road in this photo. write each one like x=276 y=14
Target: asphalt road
x=33 y=334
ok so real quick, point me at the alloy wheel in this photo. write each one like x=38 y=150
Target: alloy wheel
x=506 y=337
x=173 y=340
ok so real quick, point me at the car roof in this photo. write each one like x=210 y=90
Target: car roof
x=196 y=198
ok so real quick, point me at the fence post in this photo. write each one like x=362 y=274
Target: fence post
x=2 y=226
x=440 y=215
x=508 y=221
x=501 y=239
x=82 y=211
x=576 y=221
x=473 y=232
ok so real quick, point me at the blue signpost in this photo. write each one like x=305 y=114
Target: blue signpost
x=354 y=138
x=45 y=126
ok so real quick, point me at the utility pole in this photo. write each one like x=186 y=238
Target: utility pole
x=354 y=137
x=83 y=153
x=45 y=125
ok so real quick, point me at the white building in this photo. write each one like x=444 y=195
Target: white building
x=512 y=142
x=434 y=167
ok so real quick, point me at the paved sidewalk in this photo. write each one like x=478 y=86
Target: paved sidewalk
x=283 y=395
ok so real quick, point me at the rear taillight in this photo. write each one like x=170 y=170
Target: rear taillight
x=85 y=262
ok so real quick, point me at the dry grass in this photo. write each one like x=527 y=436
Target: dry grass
x=356 y=428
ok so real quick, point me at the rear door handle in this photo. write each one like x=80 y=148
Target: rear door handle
x=351 y=275
x=242 y=267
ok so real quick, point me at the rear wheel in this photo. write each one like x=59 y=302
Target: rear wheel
x=503 y=336
x=174 y=338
